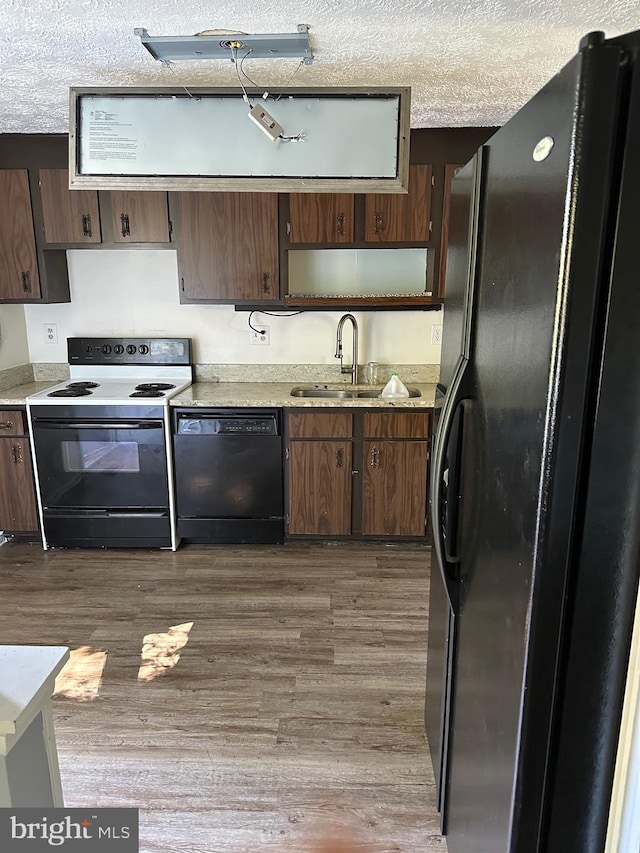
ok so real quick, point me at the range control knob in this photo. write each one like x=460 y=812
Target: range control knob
x=143 y=349
x=131 y=348
x=106 y=349
x=88 y=348
x=118 y=349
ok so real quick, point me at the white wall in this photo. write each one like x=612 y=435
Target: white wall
x=135 y=292
x=14 y=349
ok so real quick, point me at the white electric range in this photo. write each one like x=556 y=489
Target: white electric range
x=101 y=444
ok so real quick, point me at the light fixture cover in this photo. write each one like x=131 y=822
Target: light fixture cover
x=257 y=46
x=329 y=140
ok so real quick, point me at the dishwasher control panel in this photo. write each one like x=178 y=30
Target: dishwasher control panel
x=227 y=425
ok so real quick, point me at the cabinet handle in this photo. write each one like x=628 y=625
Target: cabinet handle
x=17 y=454
x=375 y=457
x=6 y=424
x=26 y=281
x=340 y=458
x=378 y=219
x=125 y=229
x=182 y=283
x=86 y=225
x=340 y=219
x=266 y=282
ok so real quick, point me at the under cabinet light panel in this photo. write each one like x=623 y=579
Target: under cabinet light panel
x=261 y=46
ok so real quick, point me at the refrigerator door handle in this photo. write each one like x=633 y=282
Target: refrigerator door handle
x=444 y=526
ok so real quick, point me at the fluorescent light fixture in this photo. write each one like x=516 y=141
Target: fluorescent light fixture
x=258 y=46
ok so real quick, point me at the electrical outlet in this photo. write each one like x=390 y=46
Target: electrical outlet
x=261 y=338
x=436 y=335
x=50 y=333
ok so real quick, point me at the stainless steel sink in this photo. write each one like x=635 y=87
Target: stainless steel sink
x=322 y=392
x=341 y=393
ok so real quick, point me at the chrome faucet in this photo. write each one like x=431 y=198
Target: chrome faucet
x=353 y=370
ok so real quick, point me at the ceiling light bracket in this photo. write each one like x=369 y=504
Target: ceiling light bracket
x=260 y=46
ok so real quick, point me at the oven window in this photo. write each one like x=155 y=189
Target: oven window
x=100 y=456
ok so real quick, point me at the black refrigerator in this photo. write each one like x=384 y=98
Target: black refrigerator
x=535 y=481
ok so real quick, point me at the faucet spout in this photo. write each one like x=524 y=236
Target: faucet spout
x=353 y=369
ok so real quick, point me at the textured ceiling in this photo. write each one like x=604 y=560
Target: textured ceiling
x=469 y=62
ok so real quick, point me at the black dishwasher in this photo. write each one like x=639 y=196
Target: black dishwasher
x=228 y=475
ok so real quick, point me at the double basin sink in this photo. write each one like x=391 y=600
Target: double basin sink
x=342 y=393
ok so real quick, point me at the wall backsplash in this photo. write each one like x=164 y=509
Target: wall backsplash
x=14 y=349
x=135 y=292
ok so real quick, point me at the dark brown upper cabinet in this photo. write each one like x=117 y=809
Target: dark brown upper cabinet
x=227 y=246
x=19 y=277
x=27 y=273
x=70 y=216
x=321 y=218
x=139 y=217
x=406 y=218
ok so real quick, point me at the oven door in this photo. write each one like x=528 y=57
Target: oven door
x=101 y=464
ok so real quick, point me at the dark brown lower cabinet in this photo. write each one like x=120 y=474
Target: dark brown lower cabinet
x=320 y=488
x=394 y=488
x=360 y=473
x=18 y=512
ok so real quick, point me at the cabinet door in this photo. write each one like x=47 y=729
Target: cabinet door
x=140 y=217
x=70 y=216
x=228 y=246
x=394 y=488
x=321 y=218
x=395 y=218
x=17 y=491
x=19 y=277
x=320 y=488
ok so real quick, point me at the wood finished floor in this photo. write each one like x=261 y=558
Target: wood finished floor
x=295 y=705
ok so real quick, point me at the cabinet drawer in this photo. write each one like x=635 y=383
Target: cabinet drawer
x=12 y=422
x=396 y=424
x=320 y=424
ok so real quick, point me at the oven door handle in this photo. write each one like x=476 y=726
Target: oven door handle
x=98 y=425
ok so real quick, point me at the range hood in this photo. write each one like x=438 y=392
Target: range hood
x=296 y=140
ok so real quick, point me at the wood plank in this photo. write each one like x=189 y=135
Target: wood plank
x=394 y=488
x=70 y=216
x=396 y=424
x=320 y=478
x=321 y=217
x=12 y=422
x=18 y=260
x=17 y=492
x=320 y=424
x=273 y=726
x=401 y=218
x=140 y=217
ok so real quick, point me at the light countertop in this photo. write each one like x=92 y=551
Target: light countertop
x=227 y=394
x=17 y=396
x=230 y=394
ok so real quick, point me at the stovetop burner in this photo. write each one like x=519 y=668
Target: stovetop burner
x=83 y=385
x=155 y=386
x=151 y=392
x=70 y=392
